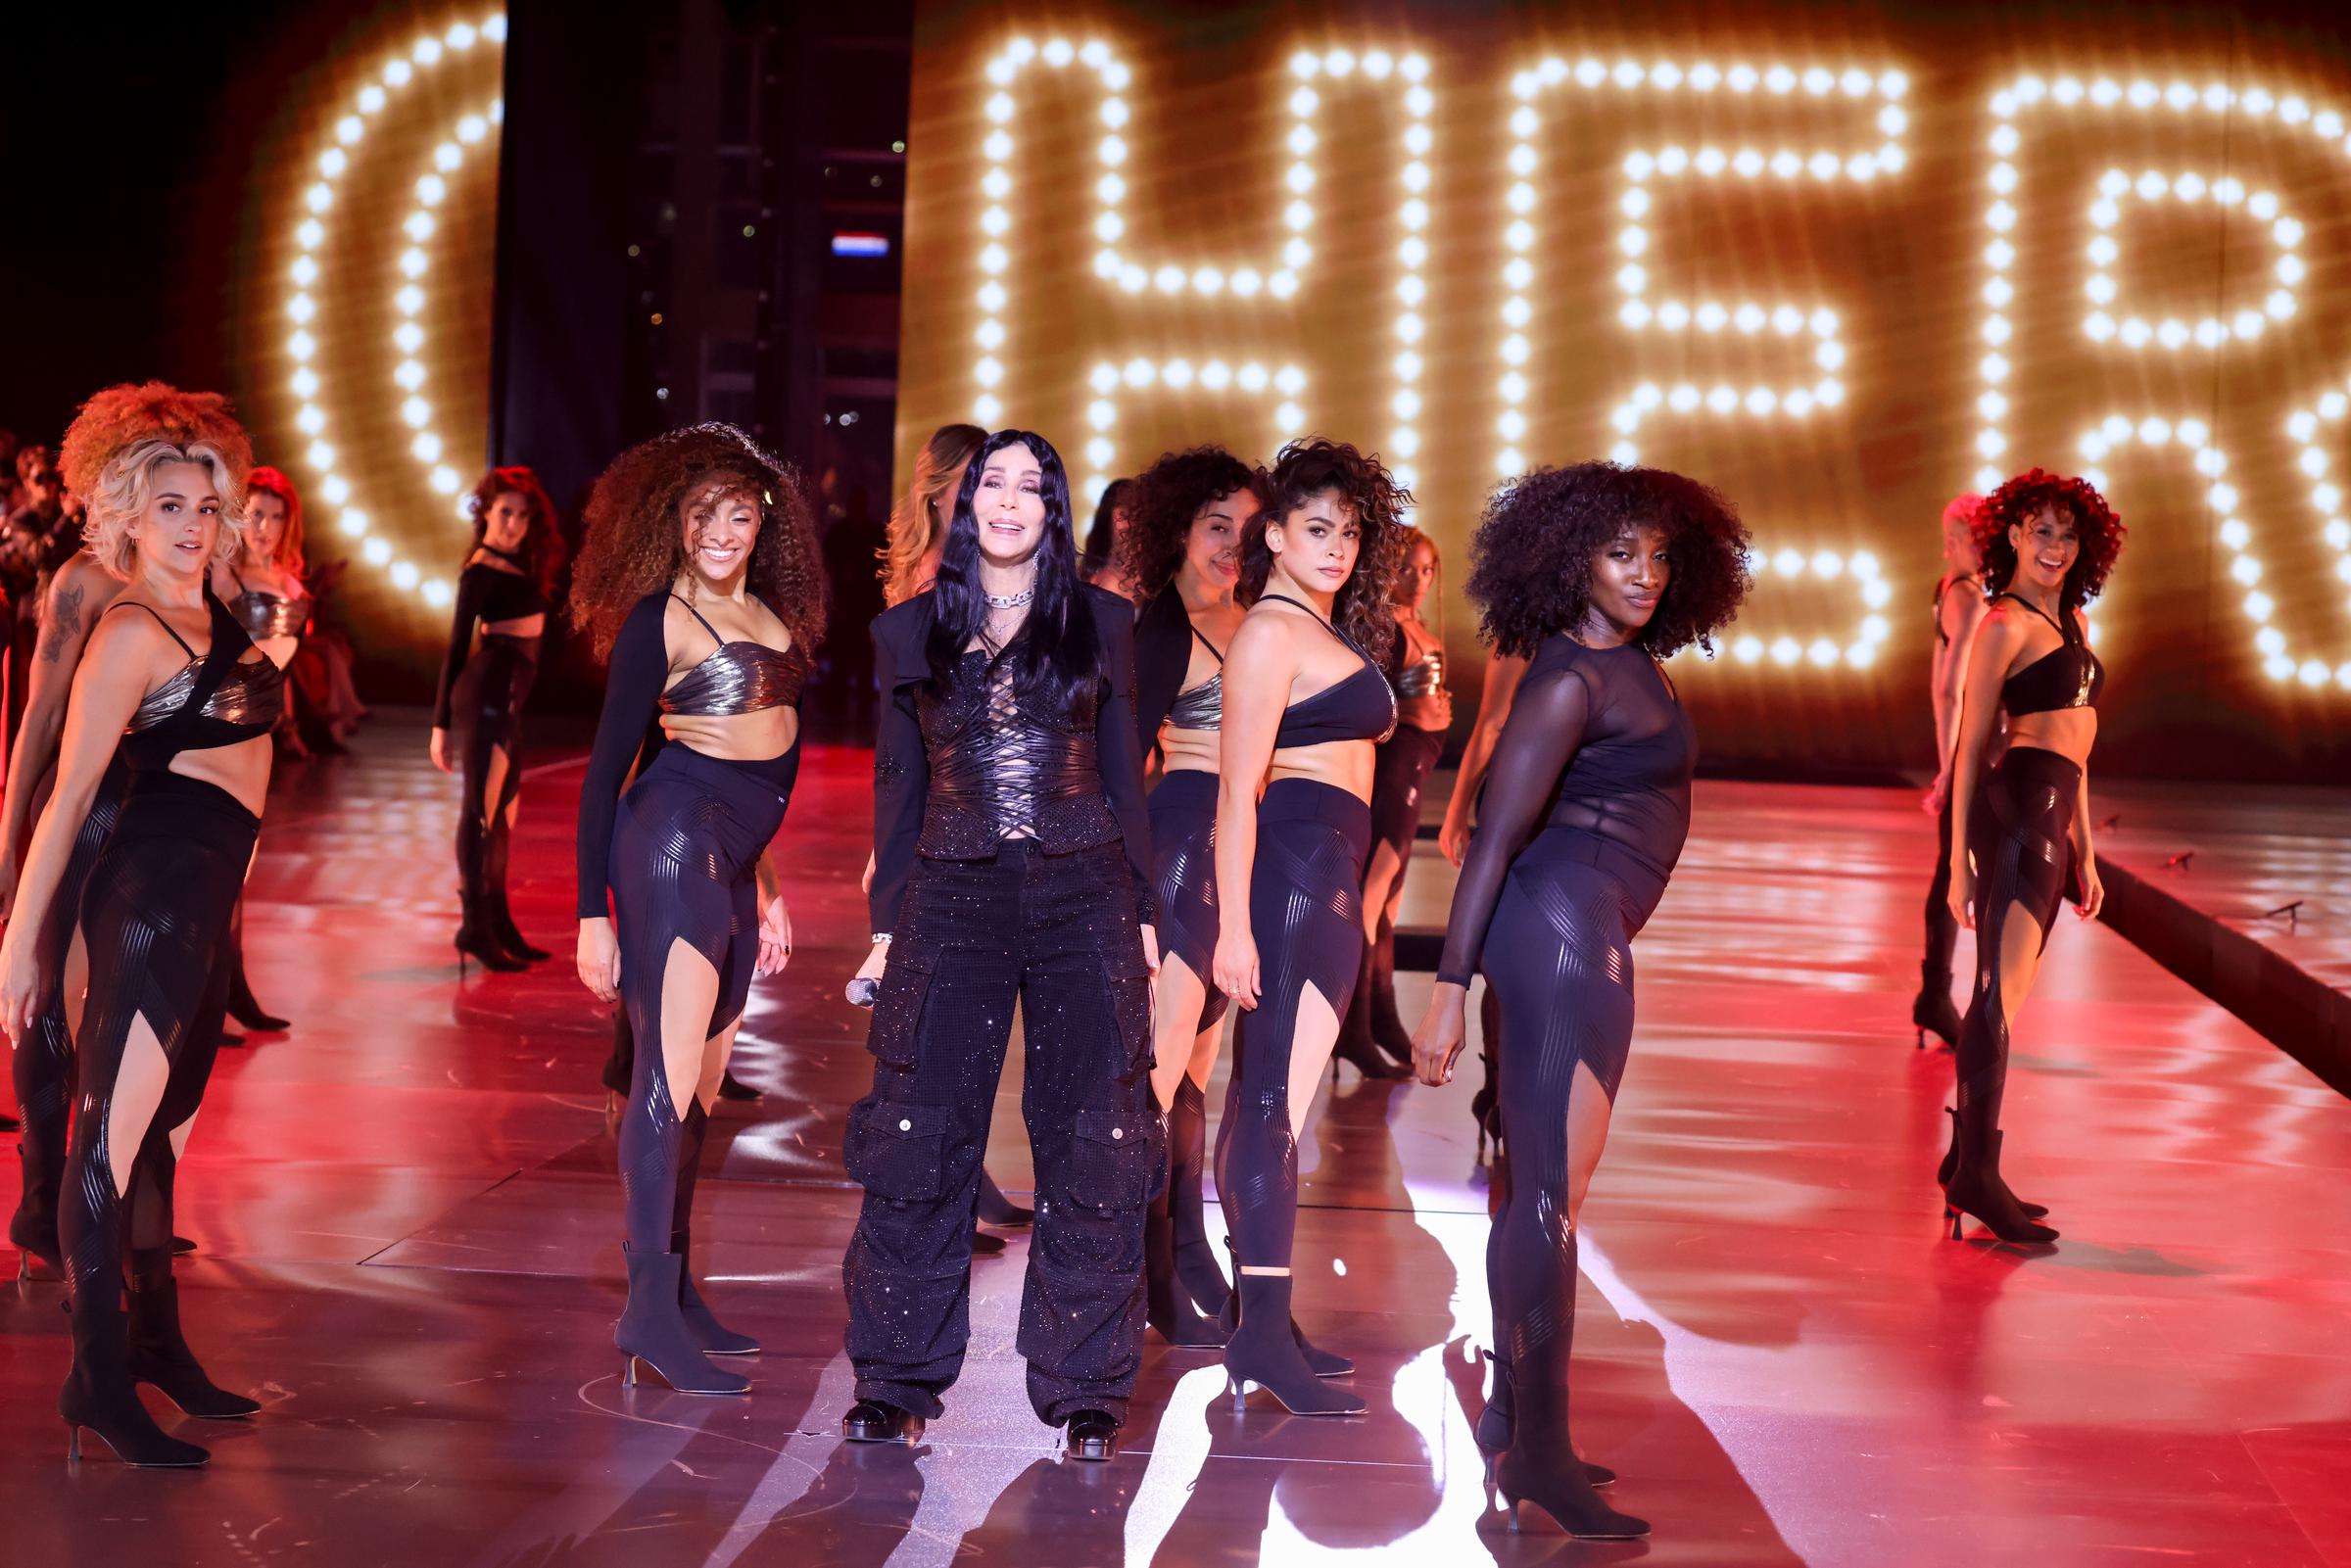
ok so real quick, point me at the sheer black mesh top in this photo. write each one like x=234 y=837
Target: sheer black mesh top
x=1597 y=744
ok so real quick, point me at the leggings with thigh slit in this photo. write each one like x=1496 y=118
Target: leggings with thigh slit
x=154 y=919
x=486 y=707
x=1183 y=848
x=1304 y=901
x=2020 y=837
x=684 y=869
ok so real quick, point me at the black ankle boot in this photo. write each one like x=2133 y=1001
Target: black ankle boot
x=1498 y=1420
x=1933 y=1011
x=1950 y=1166
x=713 y=1336
x=1976 y=1188
x=508 y=935
x=997 y=1210
x=1387 y=1024
x=245 y=1010
x=1167 y=1305
x=1354 y=1045
x=1541 y=1468
x=652 y=1329
x=100 y=1394
x=477 y=941
x=159 y=1354
x=1263 y=1352
x=1325 y=1363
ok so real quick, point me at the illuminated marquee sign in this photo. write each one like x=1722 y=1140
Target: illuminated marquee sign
x=1859 y=124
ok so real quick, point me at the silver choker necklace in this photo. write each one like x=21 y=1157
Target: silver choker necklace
x=1010 y=601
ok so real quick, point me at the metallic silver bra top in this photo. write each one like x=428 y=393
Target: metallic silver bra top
x=1424 y=676
x=267 y=615
x=1200 y=708
x=738 y=678
x=253 y=693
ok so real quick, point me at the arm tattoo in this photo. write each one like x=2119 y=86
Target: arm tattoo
x=65 y=619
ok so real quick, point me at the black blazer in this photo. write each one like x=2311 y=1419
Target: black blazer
x=910 y=822
x=1163 y=655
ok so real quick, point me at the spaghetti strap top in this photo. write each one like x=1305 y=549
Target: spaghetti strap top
x=1942 y=637
x=739 y=677
x=2068 y=676
x=1360 y=707
x=1203 y=706
x=219 y=698
x=266 y=615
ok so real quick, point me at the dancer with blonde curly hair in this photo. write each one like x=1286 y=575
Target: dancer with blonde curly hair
x=507 y=584
x=2047 y=545
x=1596 y=574
x=163 y=472
x=701 y=581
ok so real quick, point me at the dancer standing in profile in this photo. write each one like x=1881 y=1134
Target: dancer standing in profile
x=1496 y=688
x=1304 y=707
x=507 y=584
x=42 y=1065
x=1958 y=606
x=1103 y=561
x=1181 y=555
x=163 y=473
x=700 y=579
x=1013 y=865
x=1372 y=1036
x=1597 y=573
x=2047 y=544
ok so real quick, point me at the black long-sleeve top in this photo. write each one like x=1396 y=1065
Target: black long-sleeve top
x=1163 y=657
x=955 y=775
x=625 y=731
x=1595 y=743
x=485 y=592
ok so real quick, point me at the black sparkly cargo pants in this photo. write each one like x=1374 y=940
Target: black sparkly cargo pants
x=1058 y=934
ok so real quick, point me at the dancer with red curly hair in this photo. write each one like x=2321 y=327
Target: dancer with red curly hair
x=1306 y=706
x=701 y=580
x=2047 y=545
x=507 y=584
x=163 y=472
x=1599 y=572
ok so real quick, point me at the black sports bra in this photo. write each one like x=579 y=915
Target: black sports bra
x=2068 y=676
x=1360 y=707
x=219 y=698
x=739 y=677
x=1203 y=706
x=1942 y=637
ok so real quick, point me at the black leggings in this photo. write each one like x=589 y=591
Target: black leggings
x=1057 y=935
x=43 y=1063
x=154 y=919
x=1559 y=958
x=487 y=708
x=1942 y=931
x=684 y=869
x=1304 y=897
x=1403 y=766
x=1183 y=848
x=2020 y=837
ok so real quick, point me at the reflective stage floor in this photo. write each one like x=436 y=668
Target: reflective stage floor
x=408 y=1232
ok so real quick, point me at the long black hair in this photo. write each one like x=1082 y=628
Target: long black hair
x=1101 y=546
x=1056 y=650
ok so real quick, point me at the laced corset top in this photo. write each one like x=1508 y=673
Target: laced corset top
x=265 y=614
x=217 y=699
x=996 y=760
x=1203 y=706
x=739 y=677
x=1594 y=743
x=2068 y=676
x=1362 y=707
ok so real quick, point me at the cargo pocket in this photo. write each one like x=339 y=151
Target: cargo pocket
x=894 y=1031
x=1130 y=1006
x=897 y=1150
x=1112 y=1159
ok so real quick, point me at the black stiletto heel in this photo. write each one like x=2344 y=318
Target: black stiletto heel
x=1951 y=1166
x=1265 y=1352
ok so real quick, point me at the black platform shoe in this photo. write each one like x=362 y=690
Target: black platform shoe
x=1091 y=1434
x=874 y=1421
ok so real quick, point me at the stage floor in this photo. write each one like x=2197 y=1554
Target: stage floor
x=409 y=1230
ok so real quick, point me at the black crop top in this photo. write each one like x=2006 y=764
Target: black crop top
x=959 y=771
x=1362 y=707
x=625 y=735
x=219 y=698
x=2068 y=676
x=1596 y=743
x=739 y=677
x=485 y=593
x=1943 y=587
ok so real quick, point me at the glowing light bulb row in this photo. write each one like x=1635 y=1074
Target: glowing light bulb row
x=2235 y=535
x=1816 y=82
x=2302 y=427
x=1868 y=578
x=1278 y=280
x=332 y=489
x=1287 y=382
x=2136 y=332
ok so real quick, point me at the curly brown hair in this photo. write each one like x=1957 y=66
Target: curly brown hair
x=542 y=545
x=2020 y=501
x=635 y=546
x=1305 y=469
x=1531 y=560
x=1167 y=495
